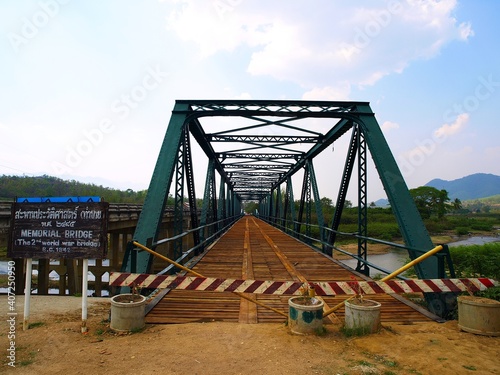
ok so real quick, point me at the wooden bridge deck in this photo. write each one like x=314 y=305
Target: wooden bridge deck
x=253 y=249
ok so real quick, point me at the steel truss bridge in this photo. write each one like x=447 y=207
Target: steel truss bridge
x=254 y=149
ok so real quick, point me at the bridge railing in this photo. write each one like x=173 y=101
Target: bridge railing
x=443 y=257
x=217 y=228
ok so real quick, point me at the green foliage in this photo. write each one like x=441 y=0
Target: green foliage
x=435 y=226
x=472 y=368
x=461 y=231
x=430 y=201
x=355 y=332
x=492 y=293
x=477 y=260
x=250 y=207
x=482 y=226
x=47 y=186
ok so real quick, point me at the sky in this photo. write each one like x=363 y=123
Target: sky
x=87 y=87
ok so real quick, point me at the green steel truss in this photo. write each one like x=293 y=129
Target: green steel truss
x=257 y=146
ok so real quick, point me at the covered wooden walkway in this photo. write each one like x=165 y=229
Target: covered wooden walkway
x=253 y=249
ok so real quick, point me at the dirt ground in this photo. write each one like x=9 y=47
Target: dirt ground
x=55 y=345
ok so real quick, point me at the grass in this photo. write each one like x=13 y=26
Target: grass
x=28 y=361
x=3 y=253
x=35 y=325
x=376 y=364
x=471 y=368
x=365 y=363
x=354 y=332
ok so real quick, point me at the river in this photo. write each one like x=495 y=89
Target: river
x=397 y=258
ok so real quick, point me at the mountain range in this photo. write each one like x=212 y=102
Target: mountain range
x=474 y=186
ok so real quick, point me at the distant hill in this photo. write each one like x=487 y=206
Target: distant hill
x=48 y=186
x=382 y=203
x=474 y=186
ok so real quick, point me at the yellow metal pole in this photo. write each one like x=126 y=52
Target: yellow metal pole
x=392 y=275
x=335 y=308
x=413 y=262
x=142 y=247
x=200 y=275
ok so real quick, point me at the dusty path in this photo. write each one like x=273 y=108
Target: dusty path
x=56 y=346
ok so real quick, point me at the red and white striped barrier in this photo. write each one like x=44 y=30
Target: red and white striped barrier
x=322 y=288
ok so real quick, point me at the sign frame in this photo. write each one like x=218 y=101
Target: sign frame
x=53 y=230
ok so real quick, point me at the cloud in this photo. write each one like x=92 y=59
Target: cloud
x=388 y=126
x=244 y=96
x=340 y=92
x=449 y=129
x=358 y=43
x=425 y=149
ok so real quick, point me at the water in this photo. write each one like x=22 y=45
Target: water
x=397 y=258
x=479 y=240
x=390 y=261
x=53 y=275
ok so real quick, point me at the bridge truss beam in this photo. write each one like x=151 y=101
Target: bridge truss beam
x=258 y=146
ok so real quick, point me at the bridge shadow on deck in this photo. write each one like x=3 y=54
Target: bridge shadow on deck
x=253 y=249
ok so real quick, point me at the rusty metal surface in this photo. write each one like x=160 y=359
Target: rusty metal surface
x=254 y=249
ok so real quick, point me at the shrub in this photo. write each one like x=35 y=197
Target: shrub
x=461 y=231
x=436 y=226
x=477 y=260
x=481 y=225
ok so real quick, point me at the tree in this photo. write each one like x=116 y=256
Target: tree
x=457 y=204
x=326 y=202
x=430 y=200
x=251 y=207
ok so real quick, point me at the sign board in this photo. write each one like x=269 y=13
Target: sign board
x=58 y=230
x=59 y=199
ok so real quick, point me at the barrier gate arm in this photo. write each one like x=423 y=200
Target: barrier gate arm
x=322 y=288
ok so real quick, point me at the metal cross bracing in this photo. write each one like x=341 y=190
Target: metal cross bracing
x=256 y=149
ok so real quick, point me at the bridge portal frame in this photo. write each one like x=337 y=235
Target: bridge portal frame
x=357 y=116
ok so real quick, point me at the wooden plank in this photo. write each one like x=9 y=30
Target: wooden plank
x=244 y=251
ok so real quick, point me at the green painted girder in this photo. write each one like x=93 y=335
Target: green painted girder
x=317 y=198
x=344 y=186
x=362 y=205
x=289 y=211
x=290 y=108
x=259 y=157
x=209 y=209
x=254 y=163
x=221 y=206
x=409 y=220
x=279 y=168
x=262 y=139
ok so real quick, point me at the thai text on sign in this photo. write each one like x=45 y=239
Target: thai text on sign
x=58 y=230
